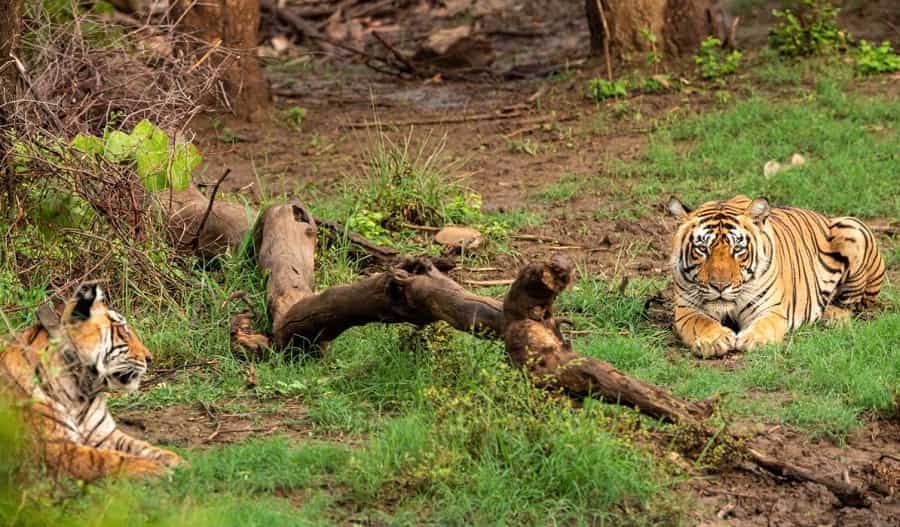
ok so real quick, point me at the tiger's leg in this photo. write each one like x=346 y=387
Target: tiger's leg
x=836 y=317
x=864 y=275
x=706 y=336
x=124 y=443
x=89 y=464
x=770 y=327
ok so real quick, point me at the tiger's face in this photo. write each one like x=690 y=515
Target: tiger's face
x=717 y=248
x=105 y=345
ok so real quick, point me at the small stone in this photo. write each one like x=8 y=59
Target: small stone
x=798 y=160
x=771 y=168
x=459 y=237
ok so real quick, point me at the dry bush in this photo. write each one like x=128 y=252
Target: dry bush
x=66 y=216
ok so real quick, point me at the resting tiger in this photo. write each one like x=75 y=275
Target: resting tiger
x=61 y=368
x=745 y=273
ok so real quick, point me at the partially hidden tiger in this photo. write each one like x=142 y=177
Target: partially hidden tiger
x=59 y=372
x=745 y=273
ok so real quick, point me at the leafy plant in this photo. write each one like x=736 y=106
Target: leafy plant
x=602 y=89
x=147 y=146
x=713 y=61
x=657 y=83
x=653 y=58
x=369 y=224
x=524 y=146
x=294 y=116
x=811 y=30
x=876 y=59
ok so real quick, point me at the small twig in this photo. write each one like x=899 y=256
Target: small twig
x=609 y=74
x=533 y=238
x=215 y=433
x=425 y=228
x=382 y=254
x=396 y=52
x=215 y=45
x=444 y=120
x=566 y=248
x=517 y=33
x=725 y=511
x=195 y=243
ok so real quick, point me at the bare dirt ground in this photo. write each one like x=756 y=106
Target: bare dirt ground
x=268 y=158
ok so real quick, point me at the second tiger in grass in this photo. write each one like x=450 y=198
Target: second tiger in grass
x=745 y=272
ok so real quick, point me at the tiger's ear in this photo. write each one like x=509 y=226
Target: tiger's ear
x=759 y=210
x=88 y=296
x=677 y=209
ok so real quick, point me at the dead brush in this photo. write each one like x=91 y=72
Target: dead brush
x=66 y=216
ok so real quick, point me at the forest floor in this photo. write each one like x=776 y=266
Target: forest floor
x=396 y=426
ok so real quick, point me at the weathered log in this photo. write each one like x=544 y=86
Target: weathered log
x=224 y=229
x=286 y=237
x=416 y=292
x=534 y=342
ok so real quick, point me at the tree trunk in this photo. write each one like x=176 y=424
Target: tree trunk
x=679 y=25
x=10 y=33
x=235 y=23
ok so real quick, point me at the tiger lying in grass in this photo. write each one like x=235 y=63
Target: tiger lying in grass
x=746 y=273
x=61 y=368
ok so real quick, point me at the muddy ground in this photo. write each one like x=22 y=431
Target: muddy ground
x=339 y=95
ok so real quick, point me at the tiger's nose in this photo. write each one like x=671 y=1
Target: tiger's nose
x=720 y=286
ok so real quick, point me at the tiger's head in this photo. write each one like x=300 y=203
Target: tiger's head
x=101 y=340
x=719 y=247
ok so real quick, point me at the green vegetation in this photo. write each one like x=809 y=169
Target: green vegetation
x=809 y=30
x=428 y=426
x=294 y=117
x=602 y=89
x=848 y=140
x=157 y=165
x=713 y=61
x=876 y=59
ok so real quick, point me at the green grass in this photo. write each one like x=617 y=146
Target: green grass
x=850 y=142
x=408 y=426
x=824 y=381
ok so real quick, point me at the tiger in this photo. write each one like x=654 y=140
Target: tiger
x=745 y=273
x=60 y=371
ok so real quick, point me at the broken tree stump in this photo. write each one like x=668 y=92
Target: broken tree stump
x=286 y=241
x=679 y=25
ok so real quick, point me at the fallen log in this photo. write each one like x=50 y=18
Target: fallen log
x=415 y=291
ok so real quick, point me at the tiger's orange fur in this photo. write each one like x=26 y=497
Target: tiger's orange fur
x=745 y=273
x=62 y=371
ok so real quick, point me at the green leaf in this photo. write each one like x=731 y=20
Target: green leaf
x=88 y=145
x=119 y=146
x=186 y=159
x=152 y=155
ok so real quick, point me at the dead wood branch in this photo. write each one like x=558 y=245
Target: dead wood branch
x=444 y=120
x=416 y=292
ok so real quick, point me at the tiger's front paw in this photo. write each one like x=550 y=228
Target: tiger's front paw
x=137 y=467
x=748 y=340
x=715 y=344
x=170 y=459
x=837 y=317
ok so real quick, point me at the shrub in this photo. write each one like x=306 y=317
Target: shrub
x=876 y=59
x=713 y=61
x=601 y=89
x=811 y=30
